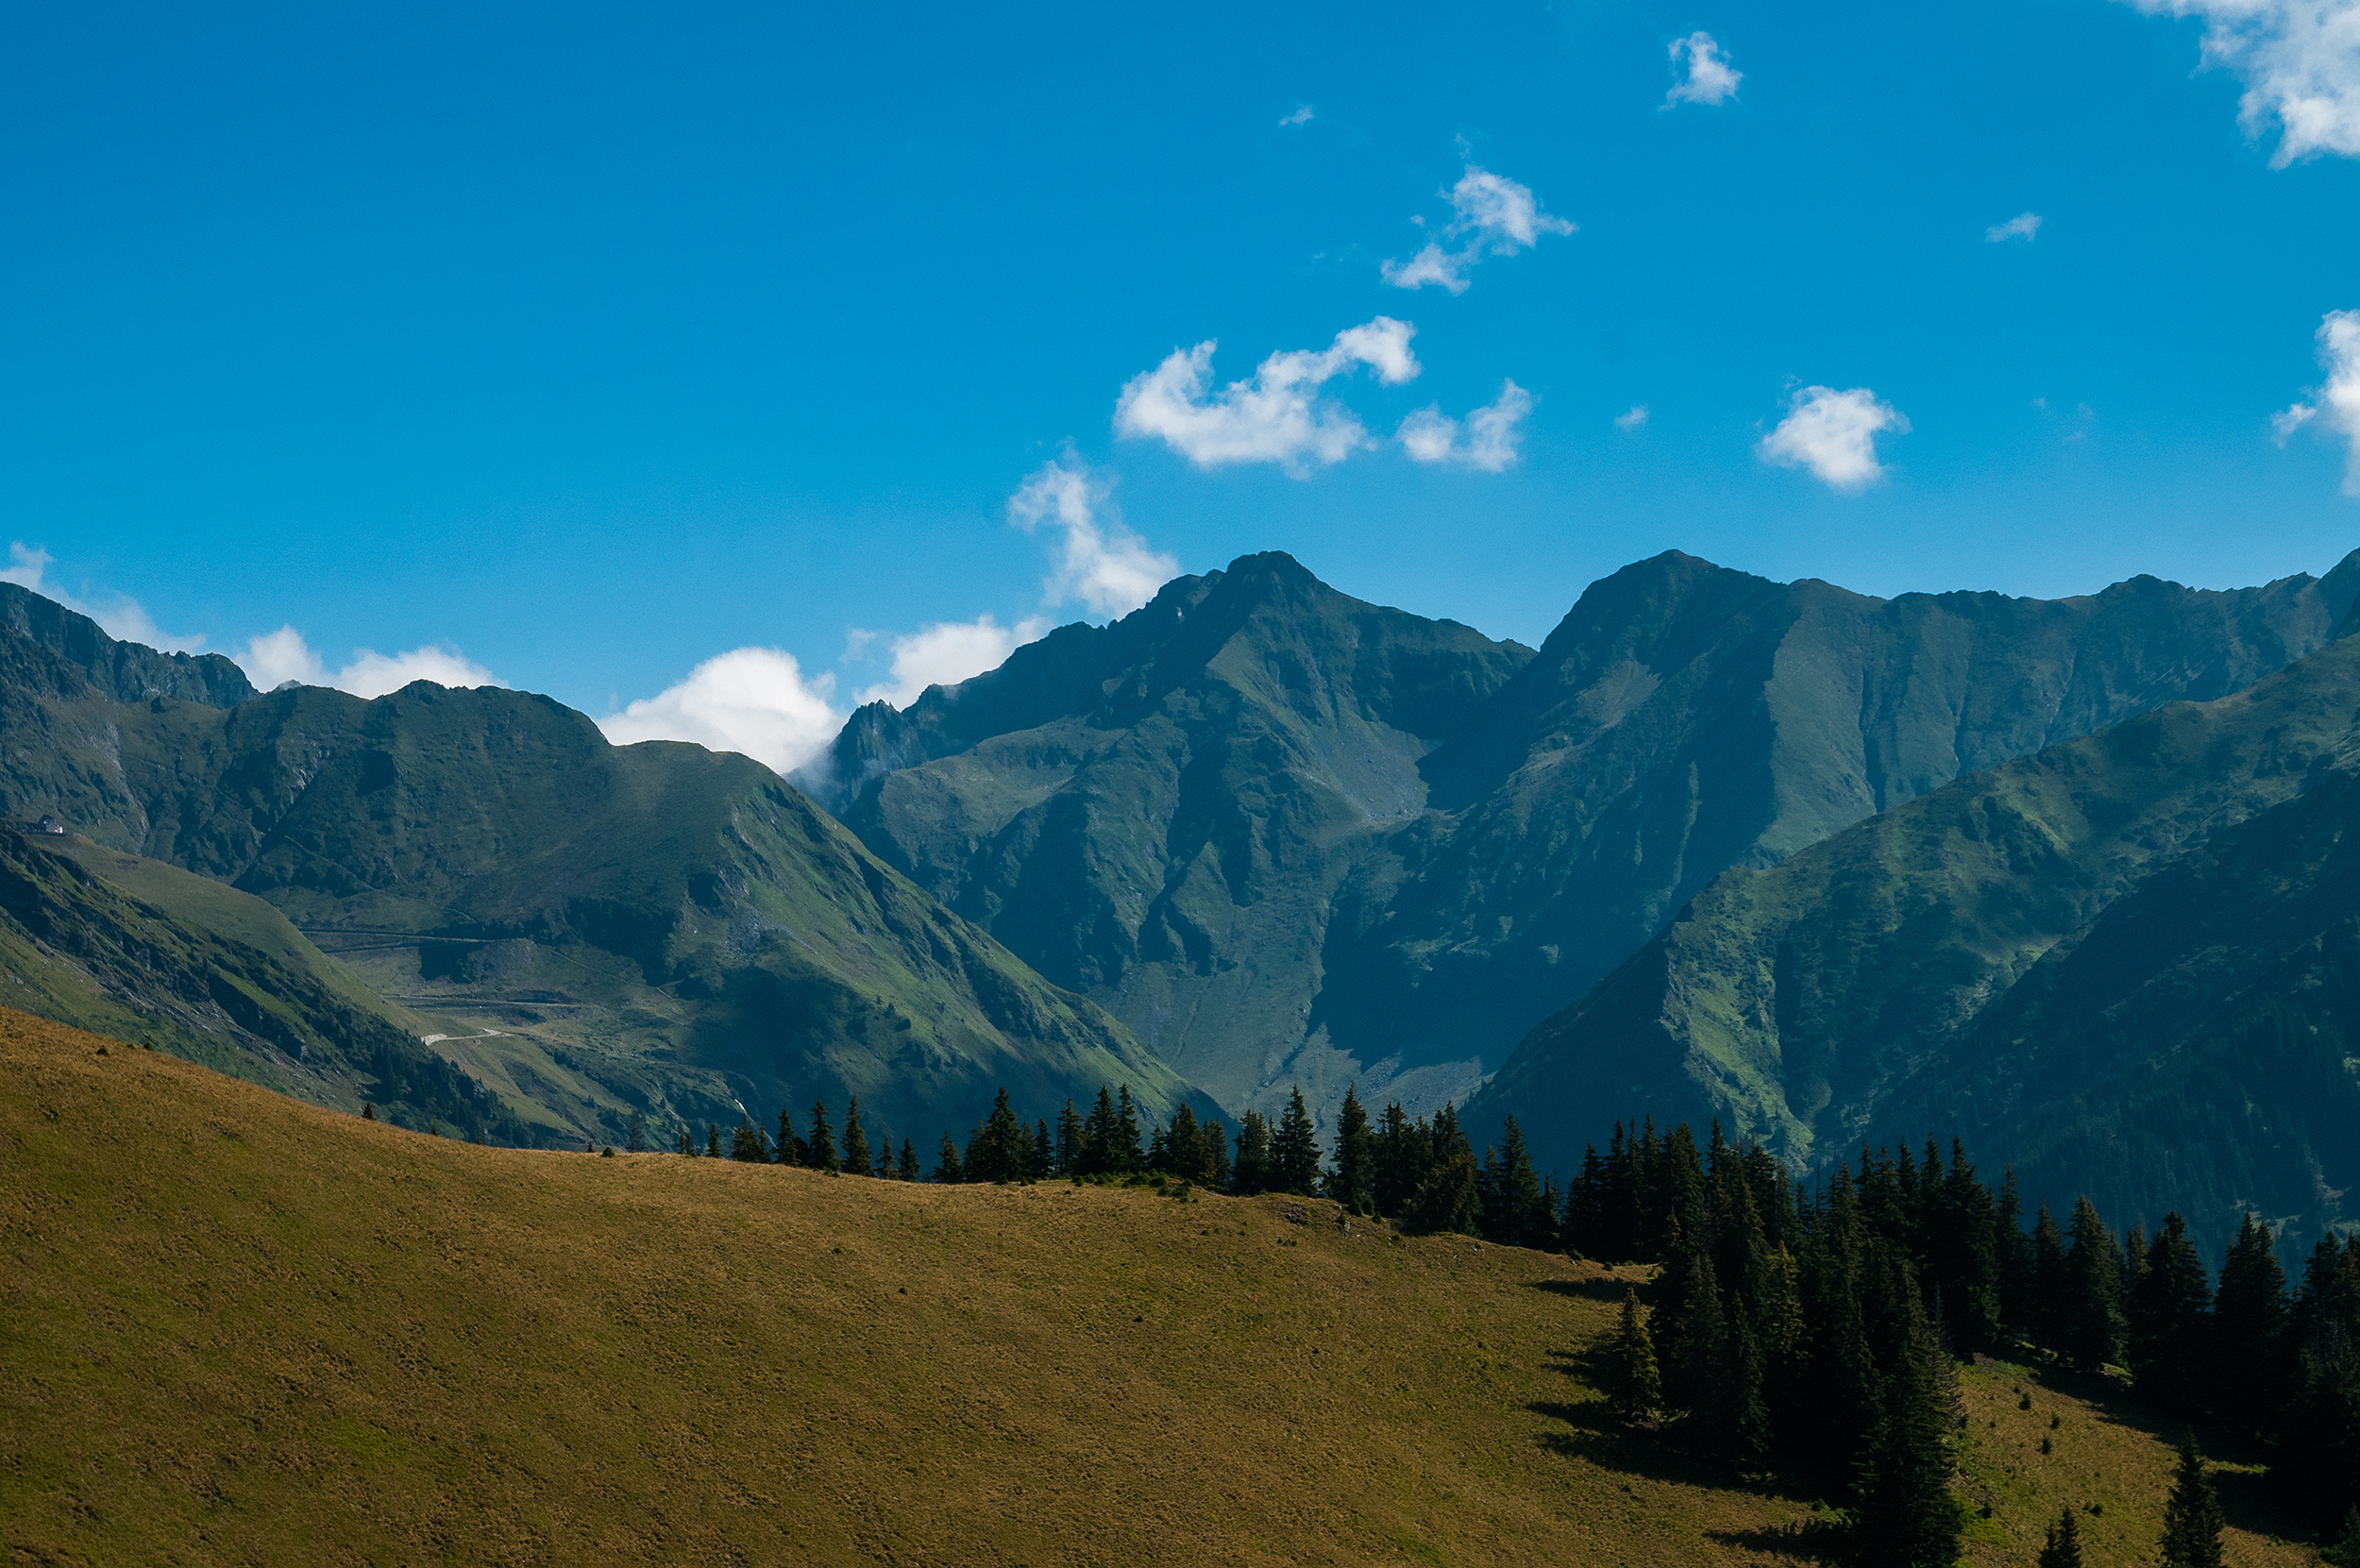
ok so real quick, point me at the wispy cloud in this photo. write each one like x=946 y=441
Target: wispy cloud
x=1302 y=116
x=1494 y=216
x=754 y=700
x=119 y=615
x=1100 y=563
x=951 y=652
x=1633 y=420
x=1279 y=416
x=1834 y=435
x=2300 y=60
x=2337 y=401
x=1485 y=440
x=2024 y=226
x=275 y=658
x=1706 y=75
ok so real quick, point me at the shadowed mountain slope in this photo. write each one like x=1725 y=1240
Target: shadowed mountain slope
x=602 y=931
x=1291 y=837
x=2130 y=957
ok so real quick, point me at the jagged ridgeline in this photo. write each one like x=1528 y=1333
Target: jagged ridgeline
x=1292 y=838
x=597 y=932
x=2134 y=960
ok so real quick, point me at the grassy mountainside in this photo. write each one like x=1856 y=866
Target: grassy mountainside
x=599 y=931
x=1291 y=837
x=235 y=1327
x=2125 y=955
x=143 y=951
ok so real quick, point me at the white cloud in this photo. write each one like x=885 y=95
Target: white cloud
x=2024 y=226
x=1632 y=420
x=279 y=656
x=121 y=617
x=1302 y=116
x=1710 y=78
x=2300 y=60
x=2338 y=400
x=1834 y=435
x=951 y=652
x=1495 y=215
x=750 y=700
x=1101 y=563
x=1278 y=416
x=1485 y=440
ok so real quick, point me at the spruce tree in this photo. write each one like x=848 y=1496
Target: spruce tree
x=1581 y=1224
x=1401 y=1154
x=1218 y=1173
x=1907 y=1517
x=1041 y=1158
x=1634 y=1386
x=368 y=1111
x=857 y=1159
x=947 y=1168
x=712 y=1141
x=882 y=1170
x=2063 y=1546
x=2049 y=1310
x=2169 y=1318
x=909 y=1171
x=791 y=1149
x=1296 y=1149
x=820 y=1148
x=746 y=1145
x=1448 y=1199
x=2246 y=1361
x=2192 y=1516
x=1097 y=1137
x=1001 y=1148
x=1354 y=1181
x=637 y=1144
x=1518 y=1217
x=1070 y=1140
x=1128 y=1156
x=2092 y=1331
x=1252 y=1173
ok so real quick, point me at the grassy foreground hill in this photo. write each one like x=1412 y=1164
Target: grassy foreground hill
x=237 y=1327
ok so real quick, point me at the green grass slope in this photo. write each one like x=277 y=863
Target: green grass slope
x=602 y=932
x=2064 y=955
x=238 y=1328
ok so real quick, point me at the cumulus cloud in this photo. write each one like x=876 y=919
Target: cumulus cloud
x=1099 y=562
x=1302 y=116
x=120 y=617
x=1632 y=420
x=1486 y=439
x=2024 y=226
x=750 y=700
x=1834 y=435
x=951 y=652
x=2337 y=402
x=1494 y=216
x=277 y=657
x=2300 y=60
x=1708 y=76
x=1279 y=416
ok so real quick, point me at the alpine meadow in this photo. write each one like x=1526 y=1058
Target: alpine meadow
x=1543 y=783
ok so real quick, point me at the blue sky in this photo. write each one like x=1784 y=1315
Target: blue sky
x=591 y=343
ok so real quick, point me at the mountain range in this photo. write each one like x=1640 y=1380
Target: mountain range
x=1824 y=864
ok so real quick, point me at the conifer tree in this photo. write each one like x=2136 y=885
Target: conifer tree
x=1634 y=1386
x=882 y=1170
x=2016 y=1259
x=1581 y=1224
x=685 y=1144
x=1041 y=1158
x=1070 y=1140
x=2192 y=1516
x=947 y=1167
x=368 y=1111
x=2346 y=1552
x=2169 y=1319
x=746 y=1145
x=909 y=1171
x=712 y=1141
x=1128 y=1156
x=1352 y=1183
x=1218 y=1173
x=1252 y=1173
x=637 y=1144
x=2092 y=1331
x=1401 y=1154
x=1295 y=1150
x=1907 y=1517
x=857 y=1159
x=1099 y=1135
x=1521 y=1216
x=2247 y=1358
x=2318 y=1470
x=2050 y=1313
x=820 y=1148
x=1448 y=1199
x=2063 y=1546
x=1001 y=1148
x=791 y=1148
x=1963 y=1247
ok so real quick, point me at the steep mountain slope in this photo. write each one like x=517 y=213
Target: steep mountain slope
x=1290 y=837
x=1165 y=823
x=653 y=929
x=146 y=952
x=2130 y=956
